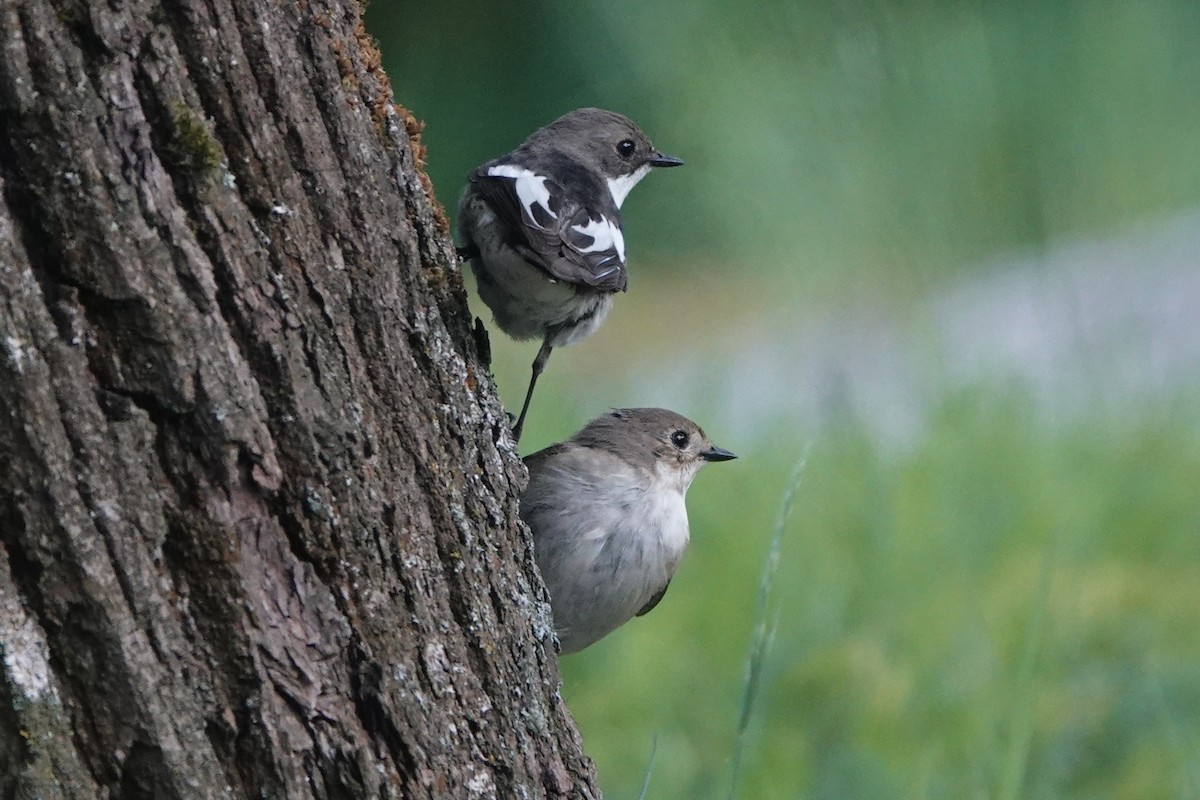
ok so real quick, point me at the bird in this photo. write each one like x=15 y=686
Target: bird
x=606 y=510
x=541 y=227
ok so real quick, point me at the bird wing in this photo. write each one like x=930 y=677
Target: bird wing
x=533 y=461
x=556 y=231
x=653 y=601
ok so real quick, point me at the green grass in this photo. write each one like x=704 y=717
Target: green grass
x=766 y=620
x=1002 y=611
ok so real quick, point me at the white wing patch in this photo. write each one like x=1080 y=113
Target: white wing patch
x=531 y=187
x=620 y=187
x=606 y=236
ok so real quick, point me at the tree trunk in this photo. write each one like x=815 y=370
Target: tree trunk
x=258 y=499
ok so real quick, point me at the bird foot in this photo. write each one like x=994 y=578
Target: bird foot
x=483 y=345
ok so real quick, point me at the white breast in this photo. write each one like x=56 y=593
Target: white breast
x=622 y=186
x=665 y=516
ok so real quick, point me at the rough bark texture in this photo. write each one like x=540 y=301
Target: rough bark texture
x=258 y=519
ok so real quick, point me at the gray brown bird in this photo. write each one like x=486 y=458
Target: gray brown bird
x=607 y=512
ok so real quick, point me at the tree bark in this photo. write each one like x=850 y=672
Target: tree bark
x=258 y=498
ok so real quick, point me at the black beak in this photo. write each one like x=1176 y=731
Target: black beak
x=664 y=160
x=715 y=453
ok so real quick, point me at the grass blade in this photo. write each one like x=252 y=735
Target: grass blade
x=765 y=621
x=1020 y=734
x=649 y=768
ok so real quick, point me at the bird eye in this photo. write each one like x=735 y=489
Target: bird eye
x=625 y=148
x=679 y=439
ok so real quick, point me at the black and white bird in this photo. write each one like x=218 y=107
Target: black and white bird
x=607 y=512
x=541 y=227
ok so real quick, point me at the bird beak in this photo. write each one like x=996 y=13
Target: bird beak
x=664 y=160
x=715 y=453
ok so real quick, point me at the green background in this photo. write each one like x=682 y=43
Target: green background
x=946 y=256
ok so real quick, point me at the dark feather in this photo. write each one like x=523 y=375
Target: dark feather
x=533 y=459
x=653 y=601
x=551 y=243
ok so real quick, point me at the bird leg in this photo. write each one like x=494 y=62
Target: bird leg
x=539 y=364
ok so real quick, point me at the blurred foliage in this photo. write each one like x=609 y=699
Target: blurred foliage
x=1003 y=605
x=865 y=139
x=1004 y=593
